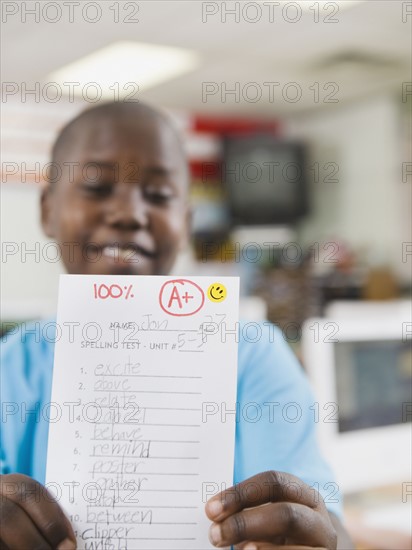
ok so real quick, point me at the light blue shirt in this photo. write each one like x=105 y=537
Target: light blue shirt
x=275 y=422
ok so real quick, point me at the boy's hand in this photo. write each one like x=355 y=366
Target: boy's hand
x=271 y=510
x=31 y=518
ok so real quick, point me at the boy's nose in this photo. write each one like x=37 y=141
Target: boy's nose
x=127 y=210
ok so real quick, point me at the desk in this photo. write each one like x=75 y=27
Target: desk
x=378 y=519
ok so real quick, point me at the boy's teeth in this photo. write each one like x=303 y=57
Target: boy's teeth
x=125 y=253
x=117 y=252
x=110 y=251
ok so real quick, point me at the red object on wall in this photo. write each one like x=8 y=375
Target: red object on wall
x=233 y=126
x=207 y=171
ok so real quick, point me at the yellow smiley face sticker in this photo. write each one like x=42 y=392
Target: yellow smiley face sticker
x=216 y=292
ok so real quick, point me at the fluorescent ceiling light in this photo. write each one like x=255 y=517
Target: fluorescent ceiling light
x=342 y=4
x=120 y=63
x=310 y=5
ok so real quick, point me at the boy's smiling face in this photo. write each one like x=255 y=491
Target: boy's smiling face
x=121 y=205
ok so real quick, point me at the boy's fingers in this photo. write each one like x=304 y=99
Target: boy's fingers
x=37 y=502
x=260 y=489
x=17 y=529
x=299 y=524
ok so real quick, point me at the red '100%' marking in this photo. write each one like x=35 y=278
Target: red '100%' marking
x=113 y=291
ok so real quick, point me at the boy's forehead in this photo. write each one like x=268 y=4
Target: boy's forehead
x=147 y=138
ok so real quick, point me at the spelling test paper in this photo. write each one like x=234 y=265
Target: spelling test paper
x=145 y=374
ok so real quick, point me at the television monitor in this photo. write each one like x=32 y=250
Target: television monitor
x=361 y=372
x=265 y=180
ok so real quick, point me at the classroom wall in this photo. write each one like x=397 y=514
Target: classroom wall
x=370 y=208
x=28 y=289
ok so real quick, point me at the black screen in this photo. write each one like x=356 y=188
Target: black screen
x=265 y=180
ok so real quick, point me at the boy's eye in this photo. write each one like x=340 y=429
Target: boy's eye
x=97 y=189
x=159 y=195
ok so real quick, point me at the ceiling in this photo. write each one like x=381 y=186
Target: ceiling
x=366 y=50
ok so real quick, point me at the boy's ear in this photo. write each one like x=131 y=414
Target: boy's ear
x=46 y=212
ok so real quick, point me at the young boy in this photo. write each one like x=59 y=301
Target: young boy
x=124 y=186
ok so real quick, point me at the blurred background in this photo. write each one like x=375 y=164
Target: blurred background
x=296 y=119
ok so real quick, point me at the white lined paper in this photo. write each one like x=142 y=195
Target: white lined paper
x=144 y=388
